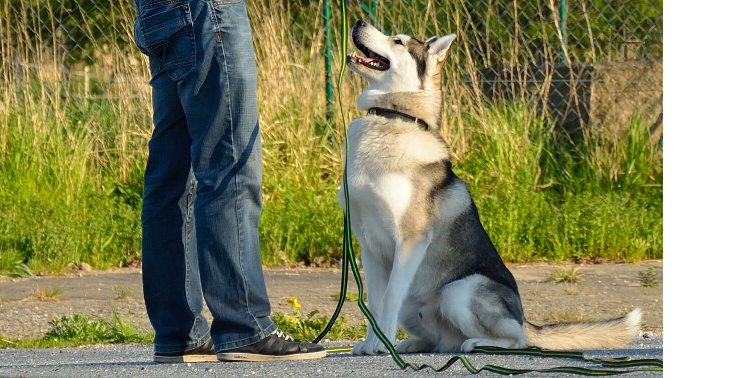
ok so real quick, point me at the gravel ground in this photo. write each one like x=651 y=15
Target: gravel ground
x=607 y=290
x=136 y=361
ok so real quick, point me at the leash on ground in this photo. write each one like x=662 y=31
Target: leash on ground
x=349 y=262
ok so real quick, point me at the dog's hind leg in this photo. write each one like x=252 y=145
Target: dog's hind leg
x=417 y=318
x=427 y=328
x=485 y=312
x=514 y=337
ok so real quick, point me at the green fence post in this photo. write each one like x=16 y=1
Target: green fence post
x=563 y=31
x=370 y=10
x=328 y=61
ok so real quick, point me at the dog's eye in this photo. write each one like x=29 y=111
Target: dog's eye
x=398 y=42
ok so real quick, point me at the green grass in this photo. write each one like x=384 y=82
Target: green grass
x=538 y=199
x=71 y=171
x=77 y=330
x=61 y=204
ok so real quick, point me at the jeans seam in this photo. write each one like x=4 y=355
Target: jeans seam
x=188 y=198
x=238 y=208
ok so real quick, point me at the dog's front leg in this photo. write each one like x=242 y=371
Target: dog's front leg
x=376 y=279
x=408 y=256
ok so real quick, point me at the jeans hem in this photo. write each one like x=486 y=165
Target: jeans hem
x=247 y=341
x=181 y=348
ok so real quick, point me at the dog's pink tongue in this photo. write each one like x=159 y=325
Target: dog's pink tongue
x=369 y=60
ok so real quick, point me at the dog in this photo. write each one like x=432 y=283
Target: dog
x=430 y=266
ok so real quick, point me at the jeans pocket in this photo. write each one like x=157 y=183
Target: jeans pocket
x=168 y=38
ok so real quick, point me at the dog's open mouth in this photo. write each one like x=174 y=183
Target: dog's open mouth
x=370 y=60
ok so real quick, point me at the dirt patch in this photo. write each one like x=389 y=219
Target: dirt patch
x=606 y=290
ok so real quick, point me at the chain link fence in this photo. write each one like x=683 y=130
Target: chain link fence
x=585 y=61
x=82 y=46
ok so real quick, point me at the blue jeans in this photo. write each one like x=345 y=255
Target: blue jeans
x=202 y=185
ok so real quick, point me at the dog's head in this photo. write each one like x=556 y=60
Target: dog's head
x=398 y=63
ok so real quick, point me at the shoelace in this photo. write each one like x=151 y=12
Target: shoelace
x=283 y=335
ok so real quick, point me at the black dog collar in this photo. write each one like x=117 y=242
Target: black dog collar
x=393 y=114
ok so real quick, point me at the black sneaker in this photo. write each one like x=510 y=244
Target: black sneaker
x=276 y=347
x=203 y=353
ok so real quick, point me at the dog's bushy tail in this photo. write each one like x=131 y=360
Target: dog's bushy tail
x=606 y=334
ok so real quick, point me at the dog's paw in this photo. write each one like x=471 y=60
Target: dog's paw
x=369 y=347
x=414 y=345
x=468 y=345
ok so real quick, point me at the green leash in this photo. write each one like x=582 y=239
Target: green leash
x=348 y=255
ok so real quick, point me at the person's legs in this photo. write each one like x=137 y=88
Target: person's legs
x=170 y=272
x=219 y=99
x=202 y=63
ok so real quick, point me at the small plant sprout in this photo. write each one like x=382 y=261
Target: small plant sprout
x=568 y=316
x=648 y=278
x=350 y=297
x=46 y=294
x=123 y=291
x=570 y=289
x=563 y=275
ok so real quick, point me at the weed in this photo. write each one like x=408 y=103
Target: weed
x=4 y=343
x=648 y=278
x=309 y=326
x=123 y=291
x=568 y=276
x=350 y=297
x=46 y=294
x=570 y=289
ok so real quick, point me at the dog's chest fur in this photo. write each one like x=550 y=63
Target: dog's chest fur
x=384 y=153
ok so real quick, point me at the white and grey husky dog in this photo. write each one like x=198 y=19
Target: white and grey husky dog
x=429 y=264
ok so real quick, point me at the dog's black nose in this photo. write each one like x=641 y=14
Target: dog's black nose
x=361 y=23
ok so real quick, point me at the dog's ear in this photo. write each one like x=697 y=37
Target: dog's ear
x=440 y=47
x=430 y=40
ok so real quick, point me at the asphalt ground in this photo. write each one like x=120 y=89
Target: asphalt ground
x=130 y=360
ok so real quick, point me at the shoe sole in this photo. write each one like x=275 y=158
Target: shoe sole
x=187 y=358
x=251 y=357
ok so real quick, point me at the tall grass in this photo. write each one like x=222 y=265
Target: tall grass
x=71 y=168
